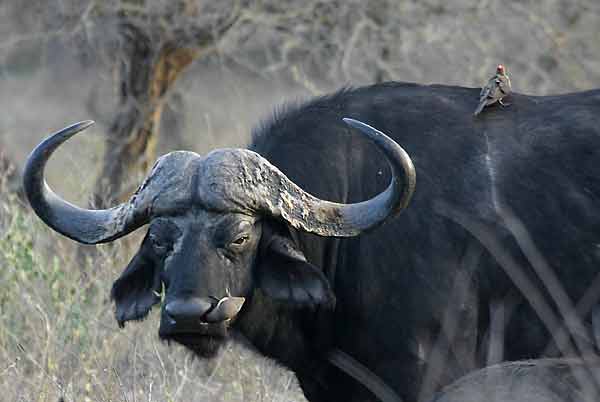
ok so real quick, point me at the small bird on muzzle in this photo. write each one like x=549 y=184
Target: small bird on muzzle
x=496 y=88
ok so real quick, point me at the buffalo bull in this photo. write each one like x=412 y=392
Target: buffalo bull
x=243 y=239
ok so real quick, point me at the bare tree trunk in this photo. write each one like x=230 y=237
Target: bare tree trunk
x=145 y=77
x=149 y=68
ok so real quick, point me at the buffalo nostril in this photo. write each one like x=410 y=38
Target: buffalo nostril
x=188 y=309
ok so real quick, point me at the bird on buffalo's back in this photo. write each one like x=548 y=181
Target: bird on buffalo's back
x=496 y=88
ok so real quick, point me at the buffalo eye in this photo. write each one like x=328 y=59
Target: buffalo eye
x=239 y=241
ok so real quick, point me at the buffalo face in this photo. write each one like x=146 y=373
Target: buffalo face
x=202 y=261
x=207 y=264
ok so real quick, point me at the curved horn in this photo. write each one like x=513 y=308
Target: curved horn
x=83 y=225
x=270 y=190
x=397 y=195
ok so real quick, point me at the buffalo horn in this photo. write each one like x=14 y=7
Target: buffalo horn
x=282 y=197
x=83 y=225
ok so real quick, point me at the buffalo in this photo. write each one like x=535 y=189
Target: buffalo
x=296 y=242
x=539 y=380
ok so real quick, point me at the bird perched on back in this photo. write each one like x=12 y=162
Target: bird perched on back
x=497 y=88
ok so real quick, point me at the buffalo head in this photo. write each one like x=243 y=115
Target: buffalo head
x=217 y=230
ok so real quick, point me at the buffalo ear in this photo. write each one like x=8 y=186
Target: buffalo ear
x=285 y=275
x=139 y=286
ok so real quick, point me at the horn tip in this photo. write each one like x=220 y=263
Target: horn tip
x=349 y=121
x=70 y=131
x=84 y=124
x=359 y=125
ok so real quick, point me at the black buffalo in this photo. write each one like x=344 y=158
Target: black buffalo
x=541 y=380
x=501 y=198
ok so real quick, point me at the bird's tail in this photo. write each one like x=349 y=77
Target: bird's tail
x=479 y=108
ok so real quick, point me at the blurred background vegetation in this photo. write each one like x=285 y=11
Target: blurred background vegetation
x=159 y=75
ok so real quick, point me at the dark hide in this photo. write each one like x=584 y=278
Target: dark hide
x=415 y=298
x=538 y=158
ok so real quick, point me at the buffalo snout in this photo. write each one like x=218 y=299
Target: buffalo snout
x=188 y=310
x=191 y=312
